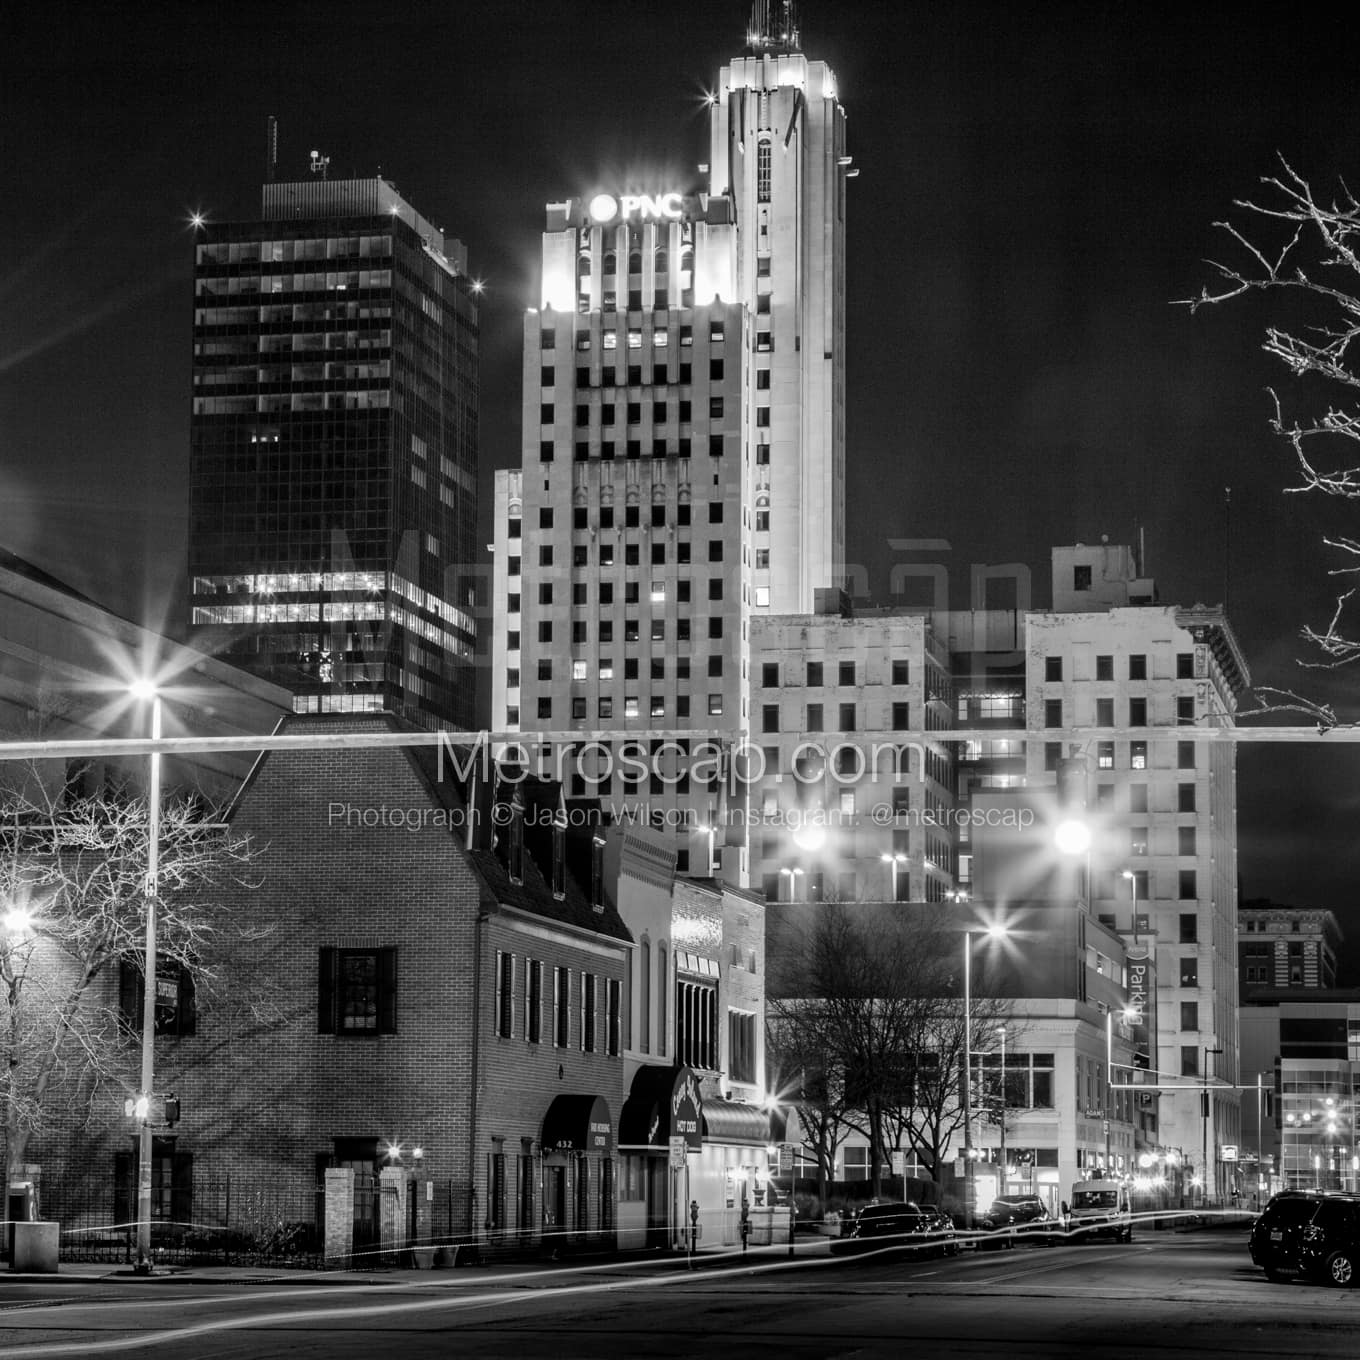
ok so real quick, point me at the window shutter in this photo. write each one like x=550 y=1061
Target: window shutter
x=325 y=993
x=188 y=1006
x=387 y=991
x=129 y=993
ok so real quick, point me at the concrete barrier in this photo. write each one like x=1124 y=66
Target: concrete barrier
x=35 y=1248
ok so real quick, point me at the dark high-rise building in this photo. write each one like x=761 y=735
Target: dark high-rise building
x=334 y=451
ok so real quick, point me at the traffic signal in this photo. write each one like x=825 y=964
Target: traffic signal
x=172 y=1109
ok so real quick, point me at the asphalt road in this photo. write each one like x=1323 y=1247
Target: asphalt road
x=1161 y=1296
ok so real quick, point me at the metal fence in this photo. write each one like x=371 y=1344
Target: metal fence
x=232 y=1220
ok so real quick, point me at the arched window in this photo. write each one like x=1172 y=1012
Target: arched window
x=663 y=991
x=645 y=995
x=663 y=261
x=635 y=262
x=611 y=262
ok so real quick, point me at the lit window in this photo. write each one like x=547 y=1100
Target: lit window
x=762 y=597
x=578 y=670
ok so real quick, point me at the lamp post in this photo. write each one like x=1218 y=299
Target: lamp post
x=1001 y=1030
x=794 y=875
x=144 y=689
x=969 y=1171
x=894 y=861
x=1204 y=1126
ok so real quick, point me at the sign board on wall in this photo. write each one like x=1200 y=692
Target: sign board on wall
x=679 y=1149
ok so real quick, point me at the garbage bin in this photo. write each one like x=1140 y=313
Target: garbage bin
x=21 y=1206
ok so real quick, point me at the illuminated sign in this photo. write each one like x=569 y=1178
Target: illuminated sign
x=642 y=207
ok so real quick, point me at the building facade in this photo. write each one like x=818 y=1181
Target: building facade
x=683 y=456
x=1286 y=947
x=333 y=451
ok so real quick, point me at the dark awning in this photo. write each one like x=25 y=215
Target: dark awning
x=578 y=1124
x=734 y=1121
x=663 y=1103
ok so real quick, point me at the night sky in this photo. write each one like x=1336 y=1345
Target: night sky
x=1038 y=183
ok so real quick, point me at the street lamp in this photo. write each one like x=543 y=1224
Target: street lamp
x=895 y=861
x=143 y=690
x=1001 y=1030
x=794 y=876
x=969 y=1173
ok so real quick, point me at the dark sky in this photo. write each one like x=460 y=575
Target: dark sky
x=1038 y=182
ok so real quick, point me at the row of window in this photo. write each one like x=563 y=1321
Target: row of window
x=520 y=1003
x=773 y=675
x=1137 y=667
x=631 y=555
x=633 y=706
x=1137 y=712
x=580 y=632
x=717 y=331
x=632 y=448
x=846 y=714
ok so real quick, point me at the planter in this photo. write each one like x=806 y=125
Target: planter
x=422 y=1258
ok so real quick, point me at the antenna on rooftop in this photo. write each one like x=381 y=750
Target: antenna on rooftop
x=321 y=165
x=271 y=150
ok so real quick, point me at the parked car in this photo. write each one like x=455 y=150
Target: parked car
x=901 y=1225
x=1101 y=1208
x=1019 y=1217
x=1309 y=1233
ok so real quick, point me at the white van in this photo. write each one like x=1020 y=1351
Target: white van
x=1101 y=1209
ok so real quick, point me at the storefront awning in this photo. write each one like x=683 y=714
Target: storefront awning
x=662 y=1104
x=734 y=1121
x=578 y=1124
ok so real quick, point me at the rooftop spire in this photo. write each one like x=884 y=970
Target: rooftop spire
x=773 y=26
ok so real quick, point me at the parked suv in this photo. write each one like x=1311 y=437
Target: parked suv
x=900 y=1224
x=1024 y=1216
x=1309 y=1233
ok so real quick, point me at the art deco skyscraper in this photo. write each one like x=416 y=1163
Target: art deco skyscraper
x=334 y=450
x=683 y=444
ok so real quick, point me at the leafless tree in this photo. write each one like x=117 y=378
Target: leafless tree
x=73 y=877
x=873 y=990
x=1308 y=250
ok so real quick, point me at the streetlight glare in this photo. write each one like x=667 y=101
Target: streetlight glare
x=810 y=836
x=18 y=920
x=1073 y=838
x=142 y=689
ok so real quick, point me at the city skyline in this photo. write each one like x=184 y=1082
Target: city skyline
x=1014 y=247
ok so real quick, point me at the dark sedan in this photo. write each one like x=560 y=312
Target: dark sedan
x=900 y=1226
x=1017 y=1218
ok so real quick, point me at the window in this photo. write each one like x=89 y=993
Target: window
x=901 y=717
x=1138 y=797
x=1053 y=668
x=1189 y=971
x=1185 y=665
x=1138 y=755
x=1104 y=668
x=1081 y=578
x=769 y=718
x=1185 y=837
x=1187 y=885
x=614 y=1003
x=533 y=1001
x=1105 y=755
x=1185 y=755
x=358 y=992
x=1104 y=712
x=769 y=674
x=1189 y=1014
x=1185 y=711
x=741 y=1046
x=814 y=674
x=1052 y=754
x=901 y=672
x=847 y=672
x=1137 y=712
x=1189 y=1060
x=561 y=1007
x=587 y=1012
x=847 y=717
x=814 y=717
x=176 y=1011
x=1189 y=922
x=1185 y=797
x=505 y=995
x=1138 y=667
x=662 y=993
x=1053 y=713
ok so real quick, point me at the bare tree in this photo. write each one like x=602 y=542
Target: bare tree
x=73 y=880
x=803 y=1069
x=1308 y=250
x=872 y=989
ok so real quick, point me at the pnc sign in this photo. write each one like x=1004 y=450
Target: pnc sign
x=636 y=207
